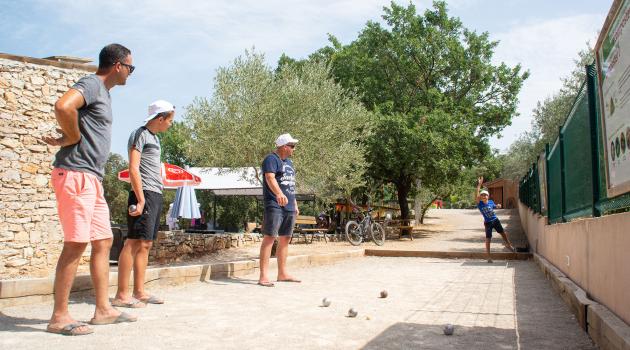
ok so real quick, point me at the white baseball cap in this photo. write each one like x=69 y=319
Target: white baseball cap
x=484 y=192
x=285 y=139
x=157 y=107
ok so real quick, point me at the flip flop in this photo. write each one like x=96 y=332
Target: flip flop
x=152 y=299
x=266 y=284
x=132 y=304
x=294 y=280
x=123 y=317
x=71 y=329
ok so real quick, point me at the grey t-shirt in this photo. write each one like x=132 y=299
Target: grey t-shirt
x=95 y=124
x=148 y=145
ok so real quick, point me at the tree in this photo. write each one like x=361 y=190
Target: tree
x=436 y=93
x=548 y=116
x=174 y=143
x=252 y=105
x=116 y=191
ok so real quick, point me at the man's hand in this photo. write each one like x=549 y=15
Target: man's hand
x=480 y=180
x=139 y=209
x=57 y=141
x=282 y=199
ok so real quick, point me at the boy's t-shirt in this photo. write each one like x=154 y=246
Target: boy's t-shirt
x=148 y=144
x=487 y=210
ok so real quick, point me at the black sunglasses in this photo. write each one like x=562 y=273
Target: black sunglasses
x=131 y=68
x=291 y=146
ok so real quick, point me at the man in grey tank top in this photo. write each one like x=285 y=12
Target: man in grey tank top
x=146 y=195
x=84 y=114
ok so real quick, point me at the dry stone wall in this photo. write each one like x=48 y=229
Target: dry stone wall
x=30 y=235
x=177 y=246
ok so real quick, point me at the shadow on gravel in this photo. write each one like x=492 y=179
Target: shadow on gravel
x=19 y=324
x=543 y=322
x=422 y=336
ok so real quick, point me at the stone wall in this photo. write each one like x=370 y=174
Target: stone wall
x=30 y=235
x=176 y=246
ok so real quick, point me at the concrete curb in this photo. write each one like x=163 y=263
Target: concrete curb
x=445 y=255
x=28 y=291
x=606 y=329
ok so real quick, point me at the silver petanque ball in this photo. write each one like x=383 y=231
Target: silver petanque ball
x=132 y=208
x=449 y=329
x=325 y=302
x=384 y=294
x=352 y=312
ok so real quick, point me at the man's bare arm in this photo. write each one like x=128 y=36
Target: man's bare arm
x=67 y=114
x=136 y=180
x=275 y=188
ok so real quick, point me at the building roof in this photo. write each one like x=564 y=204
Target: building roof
x=226 y=178
x=233 y=182
x=55 y=61
x=497 y=182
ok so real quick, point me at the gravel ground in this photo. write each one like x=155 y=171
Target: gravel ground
x=443 y=230
x=508 y=305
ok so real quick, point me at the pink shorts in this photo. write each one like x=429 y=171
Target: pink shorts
x=83 y=211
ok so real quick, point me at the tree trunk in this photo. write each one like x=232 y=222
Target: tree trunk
x=417 y=204
x=403 y=192
x=426 y=208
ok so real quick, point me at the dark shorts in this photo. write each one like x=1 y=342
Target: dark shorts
x=278 y=222
x=495 y=224
x=145 y=226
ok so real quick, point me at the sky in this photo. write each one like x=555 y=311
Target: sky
x=177 y=46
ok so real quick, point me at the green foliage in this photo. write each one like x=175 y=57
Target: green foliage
x=252 y=105
x=233 y=212
x=437 y=94
x=549 y=115
x=116 y=191
x=174 y=143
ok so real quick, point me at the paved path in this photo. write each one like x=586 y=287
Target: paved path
x=506 y=305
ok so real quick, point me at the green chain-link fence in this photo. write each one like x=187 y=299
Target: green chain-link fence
x=574 y=166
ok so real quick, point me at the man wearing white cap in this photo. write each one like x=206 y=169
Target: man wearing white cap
x=146 y=196
x=490 y=220
x=281 y=208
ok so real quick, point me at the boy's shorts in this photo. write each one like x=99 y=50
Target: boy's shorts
x=278 y=222
x=83 y=211
x=146 y=225
x=494 y=224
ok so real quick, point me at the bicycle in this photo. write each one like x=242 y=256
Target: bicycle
x=356 y=232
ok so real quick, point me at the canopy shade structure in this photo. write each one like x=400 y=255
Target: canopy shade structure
x=228 y=181
x=234 y=182
x=172 y=176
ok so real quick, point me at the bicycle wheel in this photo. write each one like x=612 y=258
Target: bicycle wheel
x=353 y=233
x=378 y=233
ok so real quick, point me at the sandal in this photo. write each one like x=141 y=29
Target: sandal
x=294 y=280
x=152 y=299
x=266 y=284
x=123 y=317
x=132 y=304
x=71 y=329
